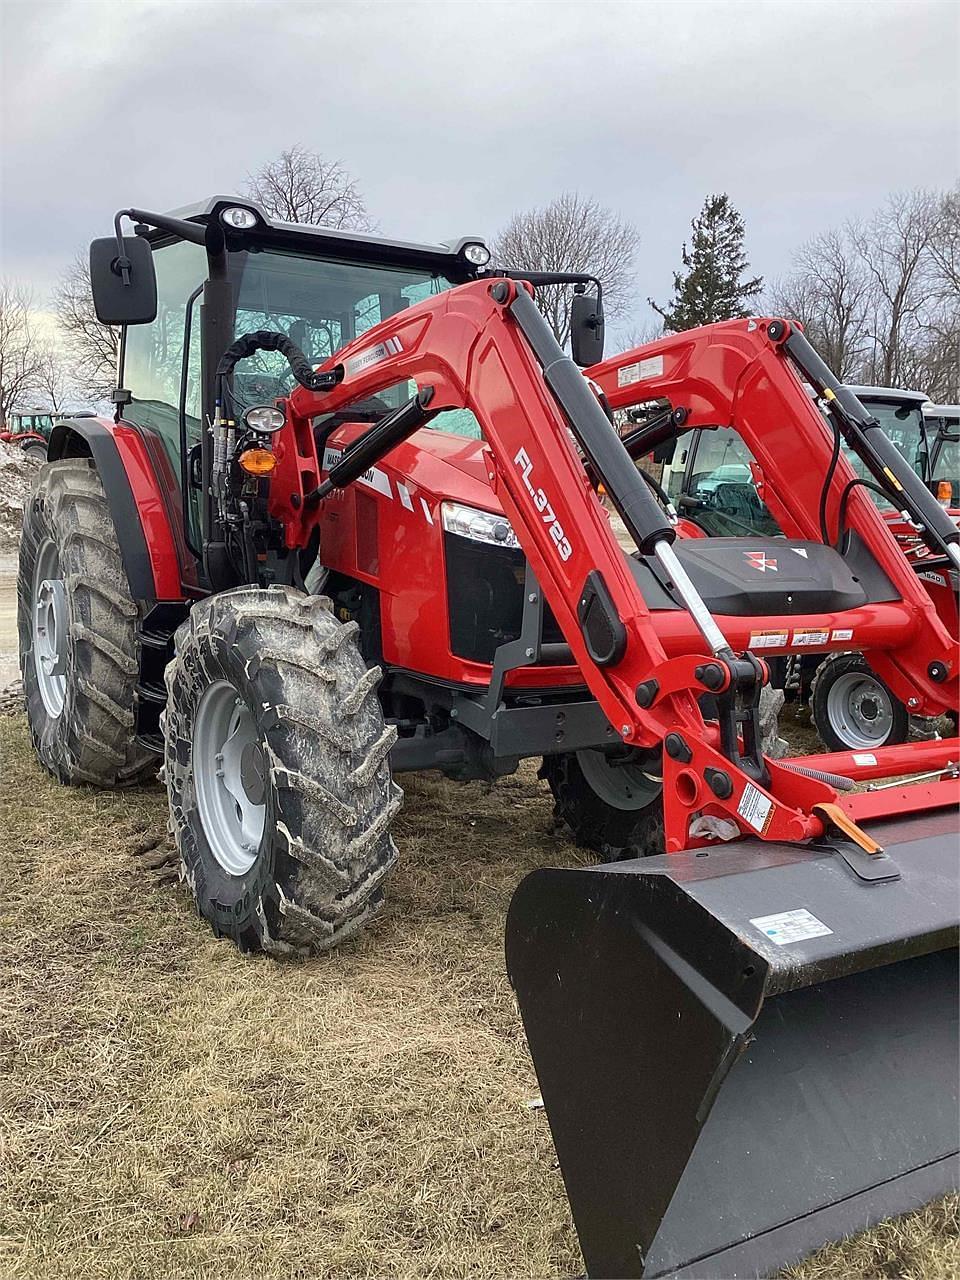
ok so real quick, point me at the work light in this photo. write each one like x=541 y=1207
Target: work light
x=240 y=219
x=478 y=255
x=264 y=418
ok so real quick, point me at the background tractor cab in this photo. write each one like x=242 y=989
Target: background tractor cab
x=942 y=423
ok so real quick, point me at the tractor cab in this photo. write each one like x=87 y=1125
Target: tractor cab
x=211 y=272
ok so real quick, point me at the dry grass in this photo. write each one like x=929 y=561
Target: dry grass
x=169 y=1107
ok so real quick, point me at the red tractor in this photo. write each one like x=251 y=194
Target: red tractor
x=345 y=523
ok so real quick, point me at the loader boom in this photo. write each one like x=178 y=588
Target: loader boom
x=483 y=346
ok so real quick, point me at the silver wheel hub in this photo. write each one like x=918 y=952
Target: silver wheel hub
x=230 y=778
x=621 y=785
x=51 y=626
x=860 y=709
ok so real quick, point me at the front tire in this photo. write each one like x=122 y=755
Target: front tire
x=613 y=807
x=278 y=771
x=77 y=625
x=853 y=709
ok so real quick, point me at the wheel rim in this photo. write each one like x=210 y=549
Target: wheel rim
x=860 y=709
x=50 y=629
x=229 y=773
x=622 y=786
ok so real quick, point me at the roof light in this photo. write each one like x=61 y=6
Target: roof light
x=258 y=462
x=238 y=218
x=478 y=255
x=264 y=418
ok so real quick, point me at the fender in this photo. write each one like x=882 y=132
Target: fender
x=147 y=543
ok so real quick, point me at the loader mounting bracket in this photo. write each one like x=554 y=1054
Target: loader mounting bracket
x=738 y=711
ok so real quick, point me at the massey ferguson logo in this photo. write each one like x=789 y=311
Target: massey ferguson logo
x=760 y=560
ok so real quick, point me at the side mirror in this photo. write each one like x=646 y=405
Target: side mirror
x=586 y=330
x=115 y=300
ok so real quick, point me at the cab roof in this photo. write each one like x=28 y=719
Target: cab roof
x=887 y=393
x=319 y=239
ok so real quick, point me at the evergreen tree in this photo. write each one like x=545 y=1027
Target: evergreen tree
x=711 y=286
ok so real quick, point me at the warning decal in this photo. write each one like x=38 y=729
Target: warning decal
x=630 y=373
x=791 y=926
x=806 y=638
x=844 y=634
x=768 y=640
x=755 y=808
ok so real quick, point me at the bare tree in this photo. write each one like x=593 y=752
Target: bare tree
x=572 y=233
x=90 y=345
x=52 y=382
x=894 y=247
x=19 y=349
x=827 y=290
x=880 y=298
x=302 y=186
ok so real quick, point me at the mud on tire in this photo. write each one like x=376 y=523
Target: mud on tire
x=317 y=874
x=67 y=523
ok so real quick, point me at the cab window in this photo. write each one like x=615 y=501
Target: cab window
x=721 y=495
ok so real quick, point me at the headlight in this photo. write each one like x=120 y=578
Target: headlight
x=479 y=526
x=478 y=255
x=241 y=219
x=264 y=418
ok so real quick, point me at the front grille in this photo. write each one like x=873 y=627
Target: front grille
x=485 y=598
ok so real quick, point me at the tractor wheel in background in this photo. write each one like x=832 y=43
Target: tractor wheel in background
x=77 y=627
x=853 y=709
x=34 y=449
x=278 y=770
x=610 y=805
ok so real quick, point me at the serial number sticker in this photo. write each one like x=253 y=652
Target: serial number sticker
x=755 y=808
x=806 y=638
x=844 y=634
x=864 y=758
x=768 y=640
x=791 y=926
x=630 y=373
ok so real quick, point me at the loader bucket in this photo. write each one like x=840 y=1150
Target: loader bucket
x=746 y=1052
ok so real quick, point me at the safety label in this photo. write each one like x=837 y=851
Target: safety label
x=650 y=368
x=768 y=640
x=806 y=638
x=755 y=808
x=844 y=634
x=791 y=926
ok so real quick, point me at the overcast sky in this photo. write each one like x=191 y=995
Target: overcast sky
x=454 y=115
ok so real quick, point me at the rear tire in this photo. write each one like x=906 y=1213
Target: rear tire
x=613 y=809
x=853 y=709
x=77 y=625
x=278 y=770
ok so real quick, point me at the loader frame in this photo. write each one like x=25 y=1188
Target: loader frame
x=483 y=346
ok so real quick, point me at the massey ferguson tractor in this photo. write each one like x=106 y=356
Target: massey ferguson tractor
x=344 y=523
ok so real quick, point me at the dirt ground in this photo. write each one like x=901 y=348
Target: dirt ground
x=170 y=1107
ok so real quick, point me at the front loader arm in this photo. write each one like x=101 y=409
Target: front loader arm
x=735 y=375
x=484 y=347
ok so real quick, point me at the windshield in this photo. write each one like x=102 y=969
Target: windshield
x=320 y=304
x=902 y=422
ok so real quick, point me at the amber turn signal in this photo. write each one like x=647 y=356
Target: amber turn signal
x=257 y=462
x=944 y=492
